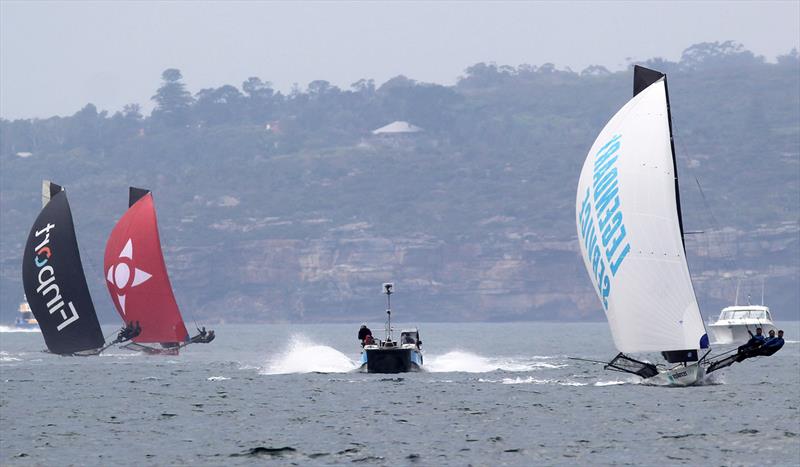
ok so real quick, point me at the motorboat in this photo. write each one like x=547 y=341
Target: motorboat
x=734 y=322
x=388 y=355
x=25 y=318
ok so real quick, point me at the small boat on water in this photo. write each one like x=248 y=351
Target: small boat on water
x=136 y=277
x=388 y=355
x=55 y=285
x=734 y=322
x=25 y=318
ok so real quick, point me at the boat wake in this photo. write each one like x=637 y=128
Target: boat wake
x=559 y=382
x=6 y=357
x=16 y=329
x=304 y=356
x=466 y=362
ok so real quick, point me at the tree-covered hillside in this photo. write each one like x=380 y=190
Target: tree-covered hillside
x=285 y=207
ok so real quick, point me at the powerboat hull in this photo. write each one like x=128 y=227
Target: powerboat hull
x=734 y=321
x=723 y=333
x=26 y=325
x=391 y=360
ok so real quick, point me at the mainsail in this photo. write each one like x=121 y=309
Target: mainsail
x=54 y=282
x=136 y=274
x=630 y=232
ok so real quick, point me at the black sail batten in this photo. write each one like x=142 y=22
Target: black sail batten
x=135 y=194
x=54 y=282
x=50 y=189
x=643 y=78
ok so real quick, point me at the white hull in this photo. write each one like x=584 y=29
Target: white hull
x=688 y=375
x=722 y=333
x=733 y=322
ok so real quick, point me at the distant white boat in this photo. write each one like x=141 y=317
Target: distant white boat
x=734 y=321
x=25 y=318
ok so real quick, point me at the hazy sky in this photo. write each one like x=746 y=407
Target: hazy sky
x=57 y=56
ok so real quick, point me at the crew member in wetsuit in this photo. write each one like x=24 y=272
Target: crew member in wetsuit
x=755 y=341
x=124 y=333
x=363 y=332
x=773 y=344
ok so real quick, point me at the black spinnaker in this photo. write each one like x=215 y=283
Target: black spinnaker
x=54 y=282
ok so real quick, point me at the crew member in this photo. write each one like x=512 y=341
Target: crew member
x=363 y=332
x=755 y=341
x=773 y=344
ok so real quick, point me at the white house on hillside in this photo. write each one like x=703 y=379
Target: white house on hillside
x=397 y=127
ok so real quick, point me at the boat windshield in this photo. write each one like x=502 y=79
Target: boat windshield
x=746 y=314
x=408 y=338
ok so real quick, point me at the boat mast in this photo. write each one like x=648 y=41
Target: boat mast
x=387 y=289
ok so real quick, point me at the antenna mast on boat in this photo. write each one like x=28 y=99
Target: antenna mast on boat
x=762 y=290
x=738 y=283
x=387 y=289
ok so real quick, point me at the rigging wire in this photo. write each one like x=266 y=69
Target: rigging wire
x=729 y=262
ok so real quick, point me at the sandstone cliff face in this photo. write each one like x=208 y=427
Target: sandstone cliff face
x=516 y=276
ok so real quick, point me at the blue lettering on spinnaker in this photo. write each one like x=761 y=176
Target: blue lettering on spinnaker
x=602 y=228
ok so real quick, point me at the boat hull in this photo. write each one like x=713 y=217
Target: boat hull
x=152 y=350
x=736 y=333
x=688 y=375
x=396 y=360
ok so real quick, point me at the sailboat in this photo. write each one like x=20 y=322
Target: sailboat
x=55 y=285
x=630 y=232
x=136 y=277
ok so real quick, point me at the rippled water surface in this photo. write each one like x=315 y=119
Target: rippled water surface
x=493 y=394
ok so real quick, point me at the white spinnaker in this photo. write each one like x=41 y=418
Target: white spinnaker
x=651 y=305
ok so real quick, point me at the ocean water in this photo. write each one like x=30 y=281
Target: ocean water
x=492 y=394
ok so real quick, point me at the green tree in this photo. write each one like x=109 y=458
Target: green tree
x=173 y=100
x=261 y=99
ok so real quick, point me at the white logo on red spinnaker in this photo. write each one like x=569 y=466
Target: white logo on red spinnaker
x=120 y=275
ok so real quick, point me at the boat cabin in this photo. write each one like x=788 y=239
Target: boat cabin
x=410 y=337
x=751 y=313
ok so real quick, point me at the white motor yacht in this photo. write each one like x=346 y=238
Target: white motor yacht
x=734 y=321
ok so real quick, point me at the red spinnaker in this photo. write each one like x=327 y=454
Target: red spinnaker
x=137 y=279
